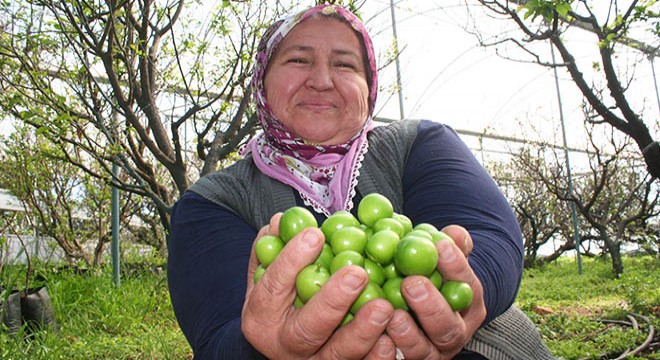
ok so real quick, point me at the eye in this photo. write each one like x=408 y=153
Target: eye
x=297 y=60
x=344 y=64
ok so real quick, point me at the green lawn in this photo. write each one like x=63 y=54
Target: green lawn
x=97 y=320
x=574 y=312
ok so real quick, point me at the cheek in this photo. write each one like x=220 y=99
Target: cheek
x=358 y=99
x=278 y=90
x=272 y=84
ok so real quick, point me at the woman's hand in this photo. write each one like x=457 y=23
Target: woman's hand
x=445 y=332
x=280 y=331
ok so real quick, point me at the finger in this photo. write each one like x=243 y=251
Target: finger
x=461 y=237
x=443 y=326
x=409 y=338
x=361 y=336
x=452 y=263
x=274 y=228
x=454 y=266
x=384 y=349
x=315 y=322
x=458 y=328
x=276 y=288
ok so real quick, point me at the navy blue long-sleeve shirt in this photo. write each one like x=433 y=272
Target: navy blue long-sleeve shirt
x=443 y=184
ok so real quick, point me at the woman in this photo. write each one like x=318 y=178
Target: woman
x=315 y=82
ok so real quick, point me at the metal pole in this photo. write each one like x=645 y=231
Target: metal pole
x=576 y=234
x=115 y=228
x=396 y=60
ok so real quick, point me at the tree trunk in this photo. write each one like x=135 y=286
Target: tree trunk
x=651 y=154
x=614 y=248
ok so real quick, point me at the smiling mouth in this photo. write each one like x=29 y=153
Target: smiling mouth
x=317 y=106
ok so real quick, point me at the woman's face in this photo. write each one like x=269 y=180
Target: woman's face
x=316 y=82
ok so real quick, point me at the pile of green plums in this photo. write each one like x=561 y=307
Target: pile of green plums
x=384 y=243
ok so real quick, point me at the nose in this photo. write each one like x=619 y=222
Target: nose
x=320 y=77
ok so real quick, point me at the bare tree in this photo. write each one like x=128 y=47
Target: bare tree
x=60 y=200
x=611 y=24
x=541 y=215
x=614 y=199
x=138 y=84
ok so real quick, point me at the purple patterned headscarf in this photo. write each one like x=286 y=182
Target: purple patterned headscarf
x=324 y=175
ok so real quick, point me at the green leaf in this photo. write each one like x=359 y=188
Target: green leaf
x=563 y=9
x=41 y=130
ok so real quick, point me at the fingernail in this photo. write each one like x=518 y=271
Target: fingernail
x=446 y=252
x=401 y=327
x=386 y=352
x=351 y=281
x=311 y=239
x=379 y=317
x=416 y=290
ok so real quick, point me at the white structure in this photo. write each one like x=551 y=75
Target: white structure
x=9 y=202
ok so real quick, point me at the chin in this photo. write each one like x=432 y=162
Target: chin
x=313 y=133
x=323 y=131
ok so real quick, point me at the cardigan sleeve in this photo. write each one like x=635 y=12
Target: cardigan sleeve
x=209 y=249
x=444 y=184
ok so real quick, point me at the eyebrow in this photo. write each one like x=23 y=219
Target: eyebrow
x=307 y=48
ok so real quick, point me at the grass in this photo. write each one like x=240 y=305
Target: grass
x=573 y=311
x=97 y=320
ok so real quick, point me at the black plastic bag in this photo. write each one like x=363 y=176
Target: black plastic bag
x=32 y=308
